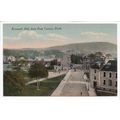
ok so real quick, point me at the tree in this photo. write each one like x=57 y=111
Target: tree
x=99 y=54
x=76 y=59
x=52 y=63
x=91 y=57
x=13 y=83
x=37 y=70
x=18 y=64
x=108 y=55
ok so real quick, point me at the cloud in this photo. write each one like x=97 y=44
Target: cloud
x=22 y=40
x=97 y=37
x=57 y=36
x=31 y=39
x=93 y=34
x=24 y=36
x=57 y=39
x=29 y=35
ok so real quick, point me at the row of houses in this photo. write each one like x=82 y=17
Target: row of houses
x=13 y=59
x=59 y=64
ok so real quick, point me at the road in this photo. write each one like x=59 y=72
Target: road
x=74 y=85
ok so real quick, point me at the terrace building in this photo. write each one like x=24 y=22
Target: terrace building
x=95 y=75
x=104 y=77
x=108 y=76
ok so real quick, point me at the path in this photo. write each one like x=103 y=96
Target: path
x=51 y=75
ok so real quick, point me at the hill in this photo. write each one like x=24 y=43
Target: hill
x=86 y=48
x=89 y=47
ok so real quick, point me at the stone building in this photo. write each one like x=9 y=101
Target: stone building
x=66 y=61
x=104 y=77
x=95 y=75
x=108 y=76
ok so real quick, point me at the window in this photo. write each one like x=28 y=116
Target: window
x=110 y=82
x=94 y=77
x=104 y=82
x=110 y=75
x=116 y=75
x=104 y=74
x=95 y=71
x=116 y=84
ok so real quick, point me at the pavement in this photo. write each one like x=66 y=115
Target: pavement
x=74 y=89
x=74 y=84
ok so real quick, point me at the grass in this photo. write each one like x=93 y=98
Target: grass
x=46 y=87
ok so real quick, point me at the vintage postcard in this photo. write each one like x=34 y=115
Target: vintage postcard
x=60 y=59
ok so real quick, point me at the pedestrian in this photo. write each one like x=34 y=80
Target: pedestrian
x=81 y=93
x=88 y=88
x=59 y=71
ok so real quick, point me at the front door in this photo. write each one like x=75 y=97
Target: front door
x=94 y=84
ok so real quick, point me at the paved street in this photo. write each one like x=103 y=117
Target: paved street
x=74 y=89
x=77 y=76
x=74 y=85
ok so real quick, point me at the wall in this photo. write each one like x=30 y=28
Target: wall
x=107 y=78
x=92 y=74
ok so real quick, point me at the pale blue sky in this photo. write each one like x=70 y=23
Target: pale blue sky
x=64 y=34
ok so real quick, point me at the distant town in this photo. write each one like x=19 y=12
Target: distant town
x=72 y=73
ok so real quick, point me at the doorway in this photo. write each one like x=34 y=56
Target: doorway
x=94 y=84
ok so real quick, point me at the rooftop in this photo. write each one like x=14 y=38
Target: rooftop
x=110 y=66
x=97 y=65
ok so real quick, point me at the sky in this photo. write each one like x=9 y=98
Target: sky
x=16 y=36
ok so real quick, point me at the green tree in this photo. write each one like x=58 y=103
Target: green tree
x=91 y=56
x=37 y=71
x=76 y=59
x=13 y=83
x=18 y=64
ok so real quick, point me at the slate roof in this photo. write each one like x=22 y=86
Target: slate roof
x=110 y=66
x=95 y=66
